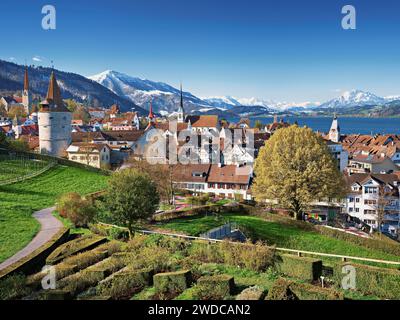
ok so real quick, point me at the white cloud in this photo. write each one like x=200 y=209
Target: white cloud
x=37 y=59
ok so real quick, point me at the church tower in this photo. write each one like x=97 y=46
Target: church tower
x=26 y=96
x=54 y=122
x=334 y=132
x=181 y=111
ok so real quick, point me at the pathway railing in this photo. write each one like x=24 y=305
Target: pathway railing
x=28 y=176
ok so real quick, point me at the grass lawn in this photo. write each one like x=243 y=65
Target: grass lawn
x=18 y=202
x=276 y=233
x=14 y=168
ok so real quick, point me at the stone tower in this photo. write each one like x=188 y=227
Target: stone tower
x=26 y=95
x=181 y=111
x=334 y=132
x=54 y=122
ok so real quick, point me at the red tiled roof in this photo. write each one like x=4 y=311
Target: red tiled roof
x=229 y=174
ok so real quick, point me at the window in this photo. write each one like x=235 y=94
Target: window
x=350 y=209
x=351 y=199
x=370 y=190
x=369 y=202
x=357 y=209
x=357 y=200
x=369 y=212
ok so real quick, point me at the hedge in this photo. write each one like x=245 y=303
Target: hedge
x=388 y=246
x=281 y=290
x=172 y=282
x=369 y=280
x=125 y=283
x=112 y=232
x=216 y=287
x=306 y=291
x=74 y=247
x=303 y=268
x=35 y=261
x=284 y=289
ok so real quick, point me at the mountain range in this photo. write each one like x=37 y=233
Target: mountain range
x=135 y=93
x=72 y=85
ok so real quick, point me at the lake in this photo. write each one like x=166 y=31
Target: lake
x=347 y=125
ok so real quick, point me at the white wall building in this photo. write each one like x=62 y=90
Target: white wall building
x=367 y=196
x=54 y=121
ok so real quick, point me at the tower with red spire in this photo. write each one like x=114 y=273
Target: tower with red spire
x=151 y=117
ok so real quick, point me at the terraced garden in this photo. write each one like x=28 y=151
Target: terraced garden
x=157 y=267
x=20 y=200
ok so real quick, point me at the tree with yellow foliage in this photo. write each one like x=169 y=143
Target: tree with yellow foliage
x=295 y=168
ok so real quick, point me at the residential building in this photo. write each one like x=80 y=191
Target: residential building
x=369 y=163
x=92 y=154
x=370 y=193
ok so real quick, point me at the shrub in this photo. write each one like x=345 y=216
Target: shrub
x=217 y=287
x=13 y=287
x=256 y=257
x=252 y=293
x=382 y=282
x=112 y=232
x=299 y=267
x=76 y=209
x=281 y=290
x=67 y=203
x=172 y=283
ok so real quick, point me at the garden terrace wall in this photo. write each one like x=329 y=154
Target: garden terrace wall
x=35 y=261
x=303 y=268
x=384 y=283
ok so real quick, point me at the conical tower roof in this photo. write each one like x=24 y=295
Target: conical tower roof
x=53 y=102
x=26 y=80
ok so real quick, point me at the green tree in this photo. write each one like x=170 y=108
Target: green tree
x=295 y=168
x=131 y=196
x=76 y=208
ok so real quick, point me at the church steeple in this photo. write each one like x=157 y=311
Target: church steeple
x=26 y=96
x=334 y=132
x=181 y=111
x=26 y=80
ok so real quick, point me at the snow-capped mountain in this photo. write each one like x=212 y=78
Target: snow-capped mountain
x=354 y=98
x=165 y=98
x=229 y=102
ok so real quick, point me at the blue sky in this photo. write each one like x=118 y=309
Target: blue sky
x=283 y=50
